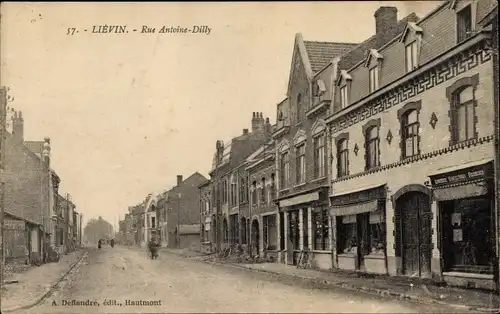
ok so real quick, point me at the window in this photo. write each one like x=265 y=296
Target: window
x=233 y=192
x=411 y=56
x=282 y=231
x=372 y=148
x=270 y=233
x=342 y=158
x=464 y=24
x=346 y=234
x=243 y=226
x=301 y=163
x=263 y=191
x=320 y=227
x=285 y=170
x=319 y=156
x=153 y=222
x=468 y=237
x=299 y=107
x=344 y=101
x=254 y=193
x=373 y=79
x=272 y=190
x=464 y=115
x=377 y=232
x=410 y=134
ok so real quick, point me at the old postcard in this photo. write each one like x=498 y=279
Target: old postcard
x=249 y=157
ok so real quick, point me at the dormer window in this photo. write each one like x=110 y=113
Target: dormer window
x=373 y=79
x=411 y=56
x=464 y=24
x=344 y=100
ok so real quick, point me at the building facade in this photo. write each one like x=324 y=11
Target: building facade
x=207 y=234
x=412 y=186
x=300 y=161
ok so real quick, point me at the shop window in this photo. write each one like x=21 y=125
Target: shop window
x=468 y=236
x=347 y=234
x=320 y=229
x=293 y=228
x=377 y=232
x=305 y=228
x=270 y=232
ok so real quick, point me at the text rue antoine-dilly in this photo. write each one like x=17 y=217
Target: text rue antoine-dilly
x=119 y=29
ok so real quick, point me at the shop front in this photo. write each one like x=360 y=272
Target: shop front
x=360 y=229
x=465 y=201
x=297 y=227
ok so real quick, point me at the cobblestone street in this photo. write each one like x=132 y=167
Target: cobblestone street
x=110 y=277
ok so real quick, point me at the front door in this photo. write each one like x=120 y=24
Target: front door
x=416 y=216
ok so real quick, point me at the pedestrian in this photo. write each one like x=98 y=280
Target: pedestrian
x=112 y=243
x=153 y=248
x=99 y=244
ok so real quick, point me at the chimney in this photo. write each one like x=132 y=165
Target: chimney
x=46 y=151
x=179 y=180
x=386 y=22
x=268 y=126
x=245 y=131
x=18 y=126
x=254 y=121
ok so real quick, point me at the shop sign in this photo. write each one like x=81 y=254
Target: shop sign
x=464 y=175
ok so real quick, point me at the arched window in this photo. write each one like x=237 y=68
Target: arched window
x=409 y=127
x=372 y=148
x=254 y=193
x=342 y=158
x=263 y=191
x=464 y=126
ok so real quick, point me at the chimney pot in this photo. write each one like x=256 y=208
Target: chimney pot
x=179 y=180
x=253 y=114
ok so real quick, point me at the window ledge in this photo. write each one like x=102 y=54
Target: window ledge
x=318 y=179
x=322 y=251
x=375 y=256
x=299 y=185
x=284 y=190
x=348 y=255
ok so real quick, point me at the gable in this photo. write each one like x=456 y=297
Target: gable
x=410 y=32
x=299 y=137
x=300 y=66
x=372 y=58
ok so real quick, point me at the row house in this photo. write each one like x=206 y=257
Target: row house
x=263 y=211
x=412 y=150
x=230 y=213
x=206 y=236
x=30 y=186
x=301 y=154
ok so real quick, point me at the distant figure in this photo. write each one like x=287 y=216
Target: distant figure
x=112 y=243
x=99 y=244
x=153 y=248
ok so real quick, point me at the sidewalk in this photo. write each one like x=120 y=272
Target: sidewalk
x=36 y=282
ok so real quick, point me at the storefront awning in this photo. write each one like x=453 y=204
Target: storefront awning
x=310 y=197
x=354 y=209
x=461 y=191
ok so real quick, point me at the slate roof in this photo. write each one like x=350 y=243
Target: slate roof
x=357 y=54
x=484 y=8
x=321 y=53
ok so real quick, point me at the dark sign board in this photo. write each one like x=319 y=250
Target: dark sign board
x=463 y=175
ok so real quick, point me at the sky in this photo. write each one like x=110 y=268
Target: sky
x=127 y=113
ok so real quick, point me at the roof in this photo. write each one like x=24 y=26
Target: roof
x=321 y=53
x=486 y=9
x=189 y=229
x=357 y=54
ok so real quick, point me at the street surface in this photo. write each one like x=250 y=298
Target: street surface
x=110 y=278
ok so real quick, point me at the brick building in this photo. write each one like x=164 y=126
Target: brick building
x=301 y=141
x=183 y=212
x=412 y=151
x=229 y=183
x=30 y=185
x=262 y=192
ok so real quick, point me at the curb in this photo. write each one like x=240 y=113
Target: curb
x=351 y=287
x=49 y=290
